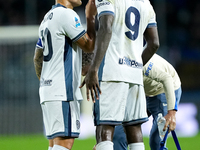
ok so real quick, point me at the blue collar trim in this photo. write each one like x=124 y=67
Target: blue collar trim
x=58 y=5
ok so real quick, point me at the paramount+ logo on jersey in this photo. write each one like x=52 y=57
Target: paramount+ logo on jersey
x=130 y=63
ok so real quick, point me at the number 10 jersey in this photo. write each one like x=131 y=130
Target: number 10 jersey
x=61 y=70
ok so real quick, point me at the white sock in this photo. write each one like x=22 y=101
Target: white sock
x=58 y=147
x=50 y=148
x=105 y=145
x=136 y=146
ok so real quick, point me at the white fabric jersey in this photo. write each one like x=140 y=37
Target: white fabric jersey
x=161 y=77
x=61 y=70
x=122 y=61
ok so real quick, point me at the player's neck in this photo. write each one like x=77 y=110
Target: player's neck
x=65 y=3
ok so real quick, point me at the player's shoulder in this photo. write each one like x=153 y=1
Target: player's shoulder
x=143 y=4
x=64 y=11
x=146 y=2
x=65 y=15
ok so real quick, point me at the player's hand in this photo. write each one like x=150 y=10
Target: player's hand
x=170 y=120
x=90 y=9
x=92 y=85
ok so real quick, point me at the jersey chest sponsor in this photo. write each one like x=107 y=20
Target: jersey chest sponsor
x=130 y=63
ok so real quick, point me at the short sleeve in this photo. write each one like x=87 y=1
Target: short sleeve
x=152 y=18
x=71 y=25
x=105 y=7
x=39 y=44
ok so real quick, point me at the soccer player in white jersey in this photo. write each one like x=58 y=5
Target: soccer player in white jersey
x=117 y=64
x=58 y=62
x=162 y=87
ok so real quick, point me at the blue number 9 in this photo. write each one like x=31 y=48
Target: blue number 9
x=135 y=26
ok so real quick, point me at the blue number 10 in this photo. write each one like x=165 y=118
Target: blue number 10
x=135 y=27
x=46 y=37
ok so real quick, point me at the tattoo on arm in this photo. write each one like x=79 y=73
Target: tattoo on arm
x=85 y=39
x=87 y=58
x=38 y=60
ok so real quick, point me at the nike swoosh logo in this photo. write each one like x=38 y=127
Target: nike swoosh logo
x=164 y=104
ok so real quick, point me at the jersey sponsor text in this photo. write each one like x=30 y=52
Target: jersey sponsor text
x=129 y=62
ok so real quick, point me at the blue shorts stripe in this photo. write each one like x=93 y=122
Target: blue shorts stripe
x=66 y=117
x=68 y=63
x=137 y=121
x=110 y=122
x=62 y=134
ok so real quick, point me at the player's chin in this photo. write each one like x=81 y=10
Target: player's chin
x=78 y=3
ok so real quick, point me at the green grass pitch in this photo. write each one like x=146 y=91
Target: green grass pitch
x=39 y=142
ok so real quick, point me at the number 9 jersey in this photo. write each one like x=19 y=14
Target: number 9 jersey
x=122 y=61
x=62 y=61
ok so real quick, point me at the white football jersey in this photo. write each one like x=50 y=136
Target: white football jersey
x=61 y=70
x=122 y=61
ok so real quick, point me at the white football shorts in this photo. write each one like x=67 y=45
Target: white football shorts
x=61 y=118
x=120 y=103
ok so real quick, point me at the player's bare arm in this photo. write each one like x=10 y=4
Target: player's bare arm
x=152 y=44
x=86 y=62
x=86 y=42
x=38 y=60
x=101 y=44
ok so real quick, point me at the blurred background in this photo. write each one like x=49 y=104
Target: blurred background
x=20 y=113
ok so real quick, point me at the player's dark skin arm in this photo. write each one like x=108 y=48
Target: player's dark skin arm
x=38 y=60
x=87 y=41
x=103 y=132
x=152 y=44
x=102 y=41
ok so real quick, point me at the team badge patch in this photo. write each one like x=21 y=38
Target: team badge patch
x=77 y=22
